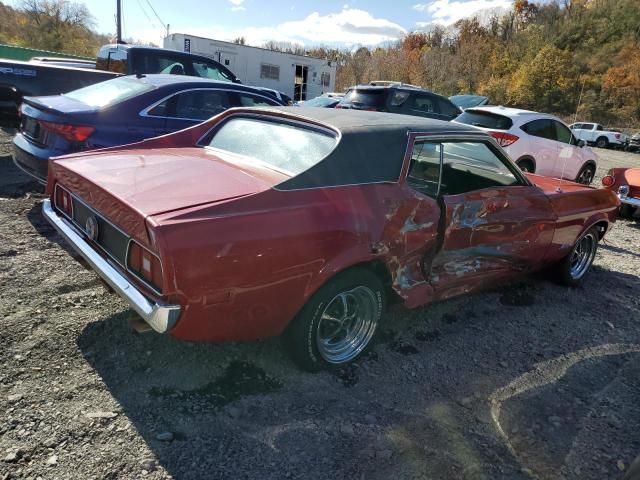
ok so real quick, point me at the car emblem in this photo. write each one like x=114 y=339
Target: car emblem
x=91 y=227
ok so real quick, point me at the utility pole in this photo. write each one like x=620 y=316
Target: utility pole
x=119 y=21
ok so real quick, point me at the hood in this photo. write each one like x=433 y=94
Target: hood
x=162 y=180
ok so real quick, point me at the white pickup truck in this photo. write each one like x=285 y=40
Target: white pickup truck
x=595 y=134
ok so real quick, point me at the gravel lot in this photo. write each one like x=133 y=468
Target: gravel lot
x=531 y=380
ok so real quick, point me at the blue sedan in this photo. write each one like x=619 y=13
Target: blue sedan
x=121 y=111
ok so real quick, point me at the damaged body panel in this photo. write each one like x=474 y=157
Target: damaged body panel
x=248 y=228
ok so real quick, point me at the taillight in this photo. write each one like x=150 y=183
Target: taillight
x=617 y=135
x=63 y=201
x=608 y=181
x=145 y=265
x=504 y=139
x=73 y=133
x=339 y=106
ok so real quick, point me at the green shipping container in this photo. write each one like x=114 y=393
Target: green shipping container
x=11 y=52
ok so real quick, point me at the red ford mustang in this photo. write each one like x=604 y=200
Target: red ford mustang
x=262 y=222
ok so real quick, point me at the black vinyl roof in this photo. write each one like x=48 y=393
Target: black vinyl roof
x=371 y=148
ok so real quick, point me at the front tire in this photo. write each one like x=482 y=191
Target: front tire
x=575 y=266
x=338 y=323
x=586 y=175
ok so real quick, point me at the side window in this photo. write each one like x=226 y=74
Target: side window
x=193 y=105
x=540 y=128
x=599 y=128
x=250 y=100
x=424 y=169
x=469 y=166
x=210 y=70
x=466 y=167
x=576 y=126
x=152 y=63
x=398 y=98
x=116 y=61
x=563 y=134
x=423 y=104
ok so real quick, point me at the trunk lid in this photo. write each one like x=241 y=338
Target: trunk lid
x=157 y=181
x=59 y=104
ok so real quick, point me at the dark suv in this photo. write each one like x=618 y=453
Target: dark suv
x=399 y=98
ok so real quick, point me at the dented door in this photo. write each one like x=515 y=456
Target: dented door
x=491 y=234
x=495 y=223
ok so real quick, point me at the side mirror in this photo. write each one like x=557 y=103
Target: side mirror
x=581 y=143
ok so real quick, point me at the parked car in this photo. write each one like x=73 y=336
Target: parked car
x=625 y=182
x=21 y=79
x=596 y=134
x=634 y=143
x=282 y=97
x=321 y=102
x=468 y=101
x=537 y=142
x=394 y=97
x=120 y=111
x=311 y=224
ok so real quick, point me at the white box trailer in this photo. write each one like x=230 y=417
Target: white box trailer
x=299 y=76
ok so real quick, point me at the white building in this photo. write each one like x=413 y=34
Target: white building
x=299 y=76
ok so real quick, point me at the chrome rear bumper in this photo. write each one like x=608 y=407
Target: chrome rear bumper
x=161 y=318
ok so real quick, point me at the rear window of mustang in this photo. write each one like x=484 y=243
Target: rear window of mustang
x=108 y=93
x=289 y=148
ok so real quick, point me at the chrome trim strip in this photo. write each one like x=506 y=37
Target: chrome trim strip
x=160 y=317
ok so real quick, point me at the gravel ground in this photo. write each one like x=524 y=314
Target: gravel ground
x=531 y=380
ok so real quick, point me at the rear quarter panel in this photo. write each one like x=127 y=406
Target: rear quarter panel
x=246 y=267
x=578 y=209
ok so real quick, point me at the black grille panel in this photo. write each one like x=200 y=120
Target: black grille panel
x=112 y=240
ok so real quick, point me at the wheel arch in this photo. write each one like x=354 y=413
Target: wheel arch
x=530 y=159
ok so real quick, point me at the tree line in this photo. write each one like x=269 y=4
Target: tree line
x=568 y=57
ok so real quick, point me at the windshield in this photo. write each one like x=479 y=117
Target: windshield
x=324 y=102
x=108 y=93
x=468 y=101
x=284 y=147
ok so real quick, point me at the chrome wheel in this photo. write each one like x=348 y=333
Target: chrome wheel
x=347 y=324
x=582 y=256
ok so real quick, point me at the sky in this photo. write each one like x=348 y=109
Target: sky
x=307 y=22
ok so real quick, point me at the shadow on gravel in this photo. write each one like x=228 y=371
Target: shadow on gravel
x=417 y=407
x=15 y=183
x=612 y=248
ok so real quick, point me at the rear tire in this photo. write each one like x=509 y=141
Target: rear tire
x=602 y=142
x=526 y=165
x=338 y=323
x=627 y=211
x=586 y=174
x=575 y=266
